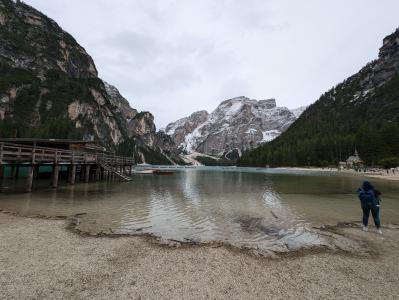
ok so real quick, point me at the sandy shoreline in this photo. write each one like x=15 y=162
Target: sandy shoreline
x=39 y=258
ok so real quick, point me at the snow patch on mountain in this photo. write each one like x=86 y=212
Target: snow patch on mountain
x=270 y=135
x=298 y=111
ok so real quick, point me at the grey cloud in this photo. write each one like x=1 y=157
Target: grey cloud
x=132 y=41
x=176 y=56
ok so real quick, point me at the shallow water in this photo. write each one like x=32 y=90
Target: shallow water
x=244 y=207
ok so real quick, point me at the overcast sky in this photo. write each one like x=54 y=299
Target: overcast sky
x=173 y=57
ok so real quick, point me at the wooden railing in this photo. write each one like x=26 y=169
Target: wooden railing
x=19 y=154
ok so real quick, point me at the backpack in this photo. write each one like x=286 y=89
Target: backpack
x=367 y=198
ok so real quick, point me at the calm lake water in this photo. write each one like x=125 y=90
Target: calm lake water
x=241 y=206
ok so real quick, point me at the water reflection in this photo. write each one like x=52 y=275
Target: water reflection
x=241 y=206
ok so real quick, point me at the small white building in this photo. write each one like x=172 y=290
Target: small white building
x=353 y=162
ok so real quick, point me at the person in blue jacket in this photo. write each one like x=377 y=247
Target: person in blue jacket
x=370 y=201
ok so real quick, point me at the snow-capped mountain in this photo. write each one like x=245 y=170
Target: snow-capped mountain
x=179 y=129
x=236 y=125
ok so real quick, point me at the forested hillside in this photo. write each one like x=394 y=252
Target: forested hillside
x=362 y=112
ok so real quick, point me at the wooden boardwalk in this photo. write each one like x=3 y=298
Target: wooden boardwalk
x=89 y=166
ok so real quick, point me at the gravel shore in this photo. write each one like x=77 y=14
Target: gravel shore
x=39 y=259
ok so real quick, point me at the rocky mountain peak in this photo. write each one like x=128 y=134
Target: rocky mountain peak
x=237 y=124
x=267 y=104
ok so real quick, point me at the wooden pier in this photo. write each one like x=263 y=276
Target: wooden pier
x=89 y=166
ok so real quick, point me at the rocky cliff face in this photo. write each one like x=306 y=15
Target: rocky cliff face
x=143 y=125
x=236 y=125
x=387 y=64
x=49 y=85
x=49 y=88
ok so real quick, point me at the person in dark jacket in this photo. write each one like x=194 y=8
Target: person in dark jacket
x=370 y=201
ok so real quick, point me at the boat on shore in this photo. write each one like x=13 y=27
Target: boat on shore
x=152 y=171
x=142 y=172
x=162 y=172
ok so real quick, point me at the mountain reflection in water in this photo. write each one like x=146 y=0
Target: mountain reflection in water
x=244 y=207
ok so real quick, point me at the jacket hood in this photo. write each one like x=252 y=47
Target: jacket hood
x=367 y=186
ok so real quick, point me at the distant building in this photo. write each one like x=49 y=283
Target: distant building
x=353 y=162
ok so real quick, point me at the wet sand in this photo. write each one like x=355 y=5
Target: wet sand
x=39 y=258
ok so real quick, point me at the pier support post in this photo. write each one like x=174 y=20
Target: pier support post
x=1 y=166
x=87 y=173
x=12 y=172
x=72 y=174
x=16 y=172
x=56 y=172
x=81 y=173
x=98 y=173
x=1 y=176
x=29 y=178
x=36 y=172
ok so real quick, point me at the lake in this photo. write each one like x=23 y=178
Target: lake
x=260 y=208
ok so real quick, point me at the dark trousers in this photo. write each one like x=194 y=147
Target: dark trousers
x=375 y=211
